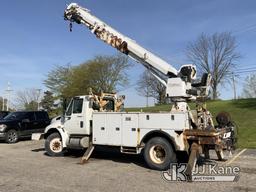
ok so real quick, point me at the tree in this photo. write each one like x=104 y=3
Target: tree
x=215 y=54
x=28 y=99
x=47 y=102
x=149 y=86
x=31 y=106
x=58 y=78
x=249 y=89
x=103 y=73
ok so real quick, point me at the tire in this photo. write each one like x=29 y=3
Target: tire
x=54 y=145
x=159 y=154
x=11 y=136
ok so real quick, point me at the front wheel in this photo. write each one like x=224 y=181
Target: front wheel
x=53 y=145
x=159 y=154
x=11 y=136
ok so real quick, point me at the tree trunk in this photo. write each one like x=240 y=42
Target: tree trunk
x=214 y=92
x=161 y=98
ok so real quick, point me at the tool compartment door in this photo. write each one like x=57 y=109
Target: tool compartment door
x=130 y=130
x=113 y=124
x=99 y=133
x=107 y=128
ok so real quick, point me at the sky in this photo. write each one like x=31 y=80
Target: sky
x=35 y=37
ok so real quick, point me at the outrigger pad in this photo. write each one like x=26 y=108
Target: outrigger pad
x=87 y=154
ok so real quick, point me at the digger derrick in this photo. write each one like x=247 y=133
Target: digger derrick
x=178 y=83
x=194 y=133
x=80 y=15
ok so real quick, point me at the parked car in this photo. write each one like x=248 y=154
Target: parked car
x=22 y=124
x=3 y=114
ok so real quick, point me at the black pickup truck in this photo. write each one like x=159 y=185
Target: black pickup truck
x=22 y=124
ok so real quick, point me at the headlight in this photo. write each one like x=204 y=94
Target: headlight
x=2 y=127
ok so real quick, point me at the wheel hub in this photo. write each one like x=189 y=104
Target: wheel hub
x=157 y=154
x=12 y=136
x=56 y=145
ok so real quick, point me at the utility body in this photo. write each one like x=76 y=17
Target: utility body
x=93 y=120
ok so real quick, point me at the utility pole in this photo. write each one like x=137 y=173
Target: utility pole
x=3 y=103
x=8 y=90
x=38 y=103
x=234 y=85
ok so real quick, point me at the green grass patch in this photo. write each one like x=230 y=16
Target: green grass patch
x=242 y=111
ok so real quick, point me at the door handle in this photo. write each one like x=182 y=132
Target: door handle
x=79 y=116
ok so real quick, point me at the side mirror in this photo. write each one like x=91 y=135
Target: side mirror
x=62 y=119
x=25 y=120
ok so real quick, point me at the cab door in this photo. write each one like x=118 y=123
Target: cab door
x=75 y=117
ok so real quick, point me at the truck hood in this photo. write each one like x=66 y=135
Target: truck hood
x=55 y=124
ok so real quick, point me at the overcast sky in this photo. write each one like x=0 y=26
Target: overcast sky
x=35 y=38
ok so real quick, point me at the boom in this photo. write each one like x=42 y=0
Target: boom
x=114 y=38
x=178 y=83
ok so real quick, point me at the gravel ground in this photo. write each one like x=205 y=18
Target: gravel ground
x=25 y=167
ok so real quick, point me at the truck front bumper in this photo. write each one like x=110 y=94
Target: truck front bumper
x=37 y=136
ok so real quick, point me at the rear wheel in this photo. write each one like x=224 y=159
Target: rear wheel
x=159 y=153
x=54 y=145
x=11 y=136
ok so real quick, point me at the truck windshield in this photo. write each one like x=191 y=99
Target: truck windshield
x=75 y=106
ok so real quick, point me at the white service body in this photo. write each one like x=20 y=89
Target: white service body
x=123 y=129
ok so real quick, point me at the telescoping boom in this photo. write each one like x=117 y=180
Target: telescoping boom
x=114 y=38
x=178 y=83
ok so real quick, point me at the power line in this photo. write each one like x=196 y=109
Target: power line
x=245 y=71
x=242 y=71
x=248 y=68
x=246 y=29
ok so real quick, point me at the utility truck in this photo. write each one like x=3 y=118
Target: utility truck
x=92 y=120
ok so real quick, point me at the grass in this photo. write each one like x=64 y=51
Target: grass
x=242 y=111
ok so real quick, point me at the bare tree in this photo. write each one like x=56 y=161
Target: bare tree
x=28 y=99
x=215 y=54
x=149 y=86
x=249 y=89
